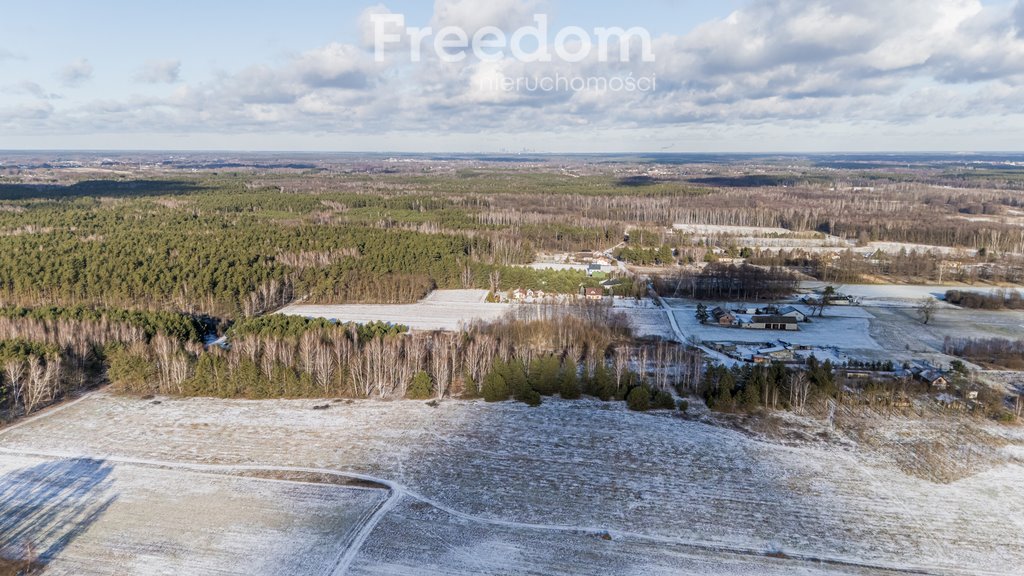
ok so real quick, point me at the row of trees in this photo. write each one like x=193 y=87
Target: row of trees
x=750 y=388
x=47 y=353
x=1008 y=354
x=294 y=357
x=30 y=377
x=719 y=281
x=642 y=256
x=997 y=300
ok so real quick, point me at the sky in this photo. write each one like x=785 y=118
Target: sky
x=304 y=75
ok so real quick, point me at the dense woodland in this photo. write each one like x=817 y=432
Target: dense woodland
x=728 y=282
x=234 y=246
x=121 y=278
x=48 y=353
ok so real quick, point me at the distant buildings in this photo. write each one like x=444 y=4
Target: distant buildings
x=935 y=379
x=593 y=294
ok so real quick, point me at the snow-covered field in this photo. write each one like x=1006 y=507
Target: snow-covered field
x=481 y=488
x=844 y=328
x=87 y=516
x=899 y=292
x=557 y=266
x=896 y=247
x=647 y=319
x=441 y=310
x=900 y=328
x=729 y=230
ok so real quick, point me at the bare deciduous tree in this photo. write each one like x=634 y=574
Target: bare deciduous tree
x=799 y=389
x=926 y=309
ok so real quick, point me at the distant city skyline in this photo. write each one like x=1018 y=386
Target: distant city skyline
x=735 y=76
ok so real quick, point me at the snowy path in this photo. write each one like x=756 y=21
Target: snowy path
x=352 y=548
x=718 y=357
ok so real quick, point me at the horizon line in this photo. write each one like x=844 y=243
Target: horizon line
x=507 y=153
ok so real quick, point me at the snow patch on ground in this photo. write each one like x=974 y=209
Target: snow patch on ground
x=843 y=332
x=442 y=310
x=730 y=230
x=705 y=493
x=88 y=516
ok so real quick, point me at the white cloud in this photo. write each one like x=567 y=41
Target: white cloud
x=472 y=15
x=772 y=62
x=334 y=66
x=159 y=72
x=29 y=88
x=367 y=26
x=76 y=73
x=33 y=111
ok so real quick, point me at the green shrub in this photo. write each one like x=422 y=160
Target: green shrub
x=530 y=397
x=130 y=370
x=601 y=384
x=569 y=387
x=544 y=377
x=494 y=388
x=471 y=389
x=422 y=388
x=664 y=401
x=683 y=405
x=639 y=399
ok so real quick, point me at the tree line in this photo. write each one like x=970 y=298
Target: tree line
x=48 y=353
x=996 y=300
x=718 y=281
x=1000 y=352
x=277 y=357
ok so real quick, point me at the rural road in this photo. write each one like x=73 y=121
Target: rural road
x=722 y=358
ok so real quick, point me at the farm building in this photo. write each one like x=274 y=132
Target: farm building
x=837 y=300
x=774 y=354
x=793 y=312
x=772 y=323
x=935 y=379
x=723 y=317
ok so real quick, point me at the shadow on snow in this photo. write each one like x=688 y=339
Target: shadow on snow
x=44 y=508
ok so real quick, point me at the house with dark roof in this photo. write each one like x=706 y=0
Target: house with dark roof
x=723 y=317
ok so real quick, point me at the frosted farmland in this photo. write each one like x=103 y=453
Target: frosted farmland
x=479 y=486
x=441 y=310
x=91 y=516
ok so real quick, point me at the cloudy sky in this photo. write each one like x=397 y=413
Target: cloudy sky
x=755 y=75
